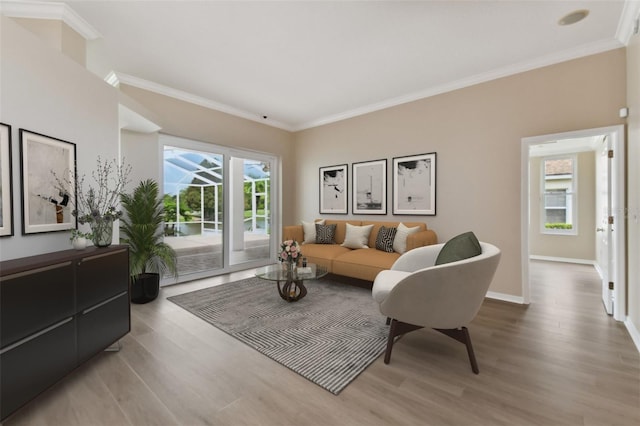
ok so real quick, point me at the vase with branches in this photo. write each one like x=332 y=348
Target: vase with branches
x=97 y=199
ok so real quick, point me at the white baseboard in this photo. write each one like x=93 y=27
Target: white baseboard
x=633 y=332
x=505 y=297
x=563 y=259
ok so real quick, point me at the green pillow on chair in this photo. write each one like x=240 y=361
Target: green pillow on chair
x=460 y=247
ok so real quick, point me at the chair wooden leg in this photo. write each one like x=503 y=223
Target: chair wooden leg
x=462 y=336
x=398 y=328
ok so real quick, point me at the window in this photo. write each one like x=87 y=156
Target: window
x=559 y=195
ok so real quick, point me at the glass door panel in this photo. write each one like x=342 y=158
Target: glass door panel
x=194 y=206
x=250 y=210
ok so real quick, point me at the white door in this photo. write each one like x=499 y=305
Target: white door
x=604 y=252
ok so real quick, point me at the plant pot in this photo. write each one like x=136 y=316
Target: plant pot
x=145 y=288
x=79 y=243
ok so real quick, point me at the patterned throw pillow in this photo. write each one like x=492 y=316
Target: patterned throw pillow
x=325 y=234
x=384 y=240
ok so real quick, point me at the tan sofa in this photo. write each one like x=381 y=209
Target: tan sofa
x=363 y=263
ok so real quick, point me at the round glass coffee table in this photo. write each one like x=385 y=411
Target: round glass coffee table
x=291 y=283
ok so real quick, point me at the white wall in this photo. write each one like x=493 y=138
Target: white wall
x=143 y=152
x=44 y=91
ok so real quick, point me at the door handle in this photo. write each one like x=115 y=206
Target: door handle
x=599 y=229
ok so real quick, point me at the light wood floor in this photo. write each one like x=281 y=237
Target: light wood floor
x=559 y=361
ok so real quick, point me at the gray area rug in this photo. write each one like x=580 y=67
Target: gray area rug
x=328 y=337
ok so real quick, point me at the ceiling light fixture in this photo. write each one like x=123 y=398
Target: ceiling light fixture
x=573 y=17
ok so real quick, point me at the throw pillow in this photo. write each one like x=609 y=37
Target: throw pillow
x=400 y=242
x=459 y=247
x=384 y=240
x=309 y=231
x=357 y=236
x=325 y=233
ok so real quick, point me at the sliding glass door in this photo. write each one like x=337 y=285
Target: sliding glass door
x=218 y=207
x=250 y=210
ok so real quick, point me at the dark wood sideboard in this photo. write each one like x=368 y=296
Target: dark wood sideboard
x=57 y=310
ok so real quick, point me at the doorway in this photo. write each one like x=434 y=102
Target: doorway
x=553 y=197
x=219 y=207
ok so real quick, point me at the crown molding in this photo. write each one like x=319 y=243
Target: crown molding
x=630 y=13
x=196 y=100
x=582 y=51
x=49 y=10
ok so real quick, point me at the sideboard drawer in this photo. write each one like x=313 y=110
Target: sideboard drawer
x=103 y=324
x=33 y=300
x=33 y=365
x=100 y=276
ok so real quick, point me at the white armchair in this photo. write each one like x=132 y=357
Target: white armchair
x=415 y=293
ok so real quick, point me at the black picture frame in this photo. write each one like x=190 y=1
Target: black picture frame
x=334 y=189
x=45 y=206
x=6 y=182
x=369 y=187
x=414 y=185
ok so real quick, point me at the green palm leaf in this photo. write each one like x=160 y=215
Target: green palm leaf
x=141 y=229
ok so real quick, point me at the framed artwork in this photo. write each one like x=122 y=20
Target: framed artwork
x=414 y=184
x=370 y=187
x=6 y=182
x=46 y=206
x=333 y=189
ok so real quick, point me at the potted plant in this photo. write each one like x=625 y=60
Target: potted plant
x=79 y=239
x=141 y=228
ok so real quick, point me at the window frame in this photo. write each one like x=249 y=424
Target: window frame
x=572 y=196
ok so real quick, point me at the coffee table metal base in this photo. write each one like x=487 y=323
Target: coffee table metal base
x=291 y=290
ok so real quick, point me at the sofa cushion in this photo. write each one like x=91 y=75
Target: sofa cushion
x=377 y=224
x=400 y=242
x=325 y=234
x=357 y=236
x=363 y=264
x=341 y=228
x=309 y=230
x=460 y=247
x=384 y=240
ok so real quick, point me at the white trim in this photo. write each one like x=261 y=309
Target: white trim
x=60 y=11
x=49 y=10
x=196 y=100
x=555 y=58
x=581 y=51
x=564 y=260
x=633 y=332
x=506 y=297
x=630 y=12
x=112 y=79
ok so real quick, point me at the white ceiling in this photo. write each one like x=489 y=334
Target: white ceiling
x=302 y=64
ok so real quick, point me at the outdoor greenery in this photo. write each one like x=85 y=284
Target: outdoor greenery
x=191 y=203
x=558 y=226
